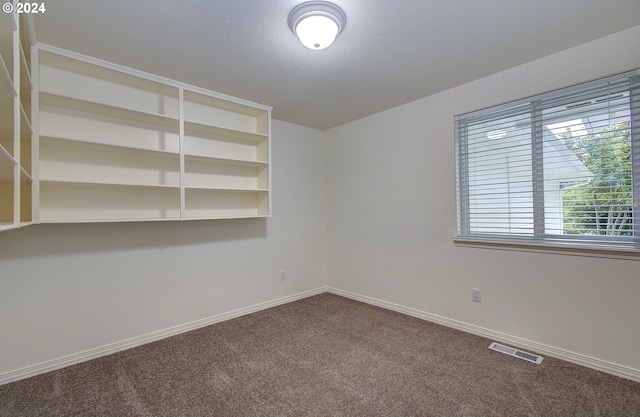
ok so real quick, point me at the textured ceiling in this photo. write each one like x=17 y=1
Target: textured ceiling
x=390 y=53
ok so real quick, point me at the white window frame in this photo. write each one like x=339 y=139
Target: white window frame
x=626 y=248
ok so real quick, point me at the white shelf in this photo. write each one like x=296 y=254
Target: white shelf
x=101 y=76
x=6 y=158
x=204 y=174
x=227 y=217
x=7 y=165
x=6 y=83
x=111 y=218
x=228 y=161
x=84 y=106
x=230 y=190
x=25 y=153
x=80 y=183
x=118 y=145
x=25 y=123
x=25 y=176
x=202 y=204
x=88 y=82
x=108 y=165
x=222 y=132
x=25 y=73
x=113 y=147
x=73 y=125
x=65 y=202
x=211 y=100
x=7 y=122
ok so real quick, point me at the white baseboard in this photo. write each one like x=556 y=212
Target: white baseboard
x=109 y=349
x=63 y=362
x=576 y=358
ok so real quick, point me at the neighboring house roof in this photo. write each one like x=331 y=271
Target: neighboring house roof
x=563 y=165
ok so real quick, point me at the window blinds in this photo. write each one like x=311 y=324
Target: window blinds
x=563 y=166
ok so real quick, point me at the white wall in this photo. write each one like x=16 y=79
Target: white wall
x=65 y=289
x=391 y=219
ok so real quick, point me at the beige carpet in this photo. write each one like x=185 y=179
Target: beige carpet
x=322 y=356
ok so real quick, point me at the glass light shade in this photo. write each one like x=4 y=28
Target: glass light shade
x=317 y=23
x=317 y=32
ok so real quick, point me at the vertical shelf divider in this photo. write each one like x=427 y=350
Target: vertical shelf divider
x=35 y=135
x=182 y=161
x=17 y=116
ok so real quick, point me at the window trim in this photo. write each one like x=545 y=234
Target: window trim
x=557 y=248
x=549 y=94
x=541 y=242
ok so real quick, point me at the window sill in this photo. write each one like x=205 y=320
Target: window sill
x=571 y=249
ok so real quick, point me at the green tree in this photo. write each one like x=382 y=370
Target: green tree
x=603 y=206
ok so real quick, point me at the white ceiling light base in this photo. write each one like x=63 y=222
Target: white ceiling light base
x=317 y=23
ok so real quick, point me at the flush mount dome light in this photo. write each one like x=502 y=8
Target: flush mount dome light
x=497 y=134
x=317 y=23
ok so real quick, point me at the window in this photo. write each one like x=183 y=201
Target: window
x=562 y=167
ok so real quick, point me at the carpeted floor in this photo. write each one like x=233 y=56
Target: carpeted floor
x=321 y=356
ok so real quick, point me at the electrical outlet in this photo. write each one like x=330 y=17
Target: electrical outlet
x=283 y=275
x=475 y=295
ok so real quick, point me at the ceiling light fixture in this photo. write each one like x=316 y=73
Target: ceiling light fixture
x=317 y=23
x=497 y=134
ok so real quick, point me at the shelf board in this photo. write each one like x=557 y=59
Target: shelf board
x=53 y=181
x=222 y=132
x=228 y=161
x=76 y=143
x=25 y=74
x=229 y=105
x=6 y=118
x=225 y=190
x=7 y=164
x=98 y=71
x=7 y=155
x=6 y=83
x=257 y=216
x=25 y=124
x=25 y=177
x=113 y=220
x=56 y=100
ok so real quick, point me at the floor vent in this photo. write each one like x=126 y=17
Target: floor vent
x=517 y=353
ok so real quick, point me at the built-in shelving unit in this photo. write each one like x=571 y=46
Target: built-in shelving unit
x=114 y=144
x=108 y=144
x=15 y=121
x=226 y=158
x=84 y=140
x=8 y=95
